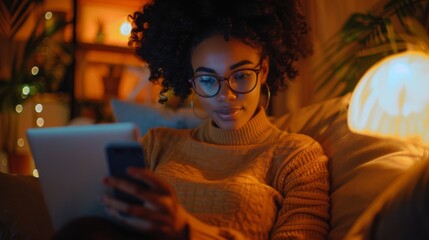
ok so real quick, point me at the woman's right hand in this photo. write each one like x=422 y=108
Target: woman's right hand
x=159 y=212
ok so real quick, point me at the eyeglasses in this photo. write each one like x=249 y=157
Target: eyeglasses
x=241 y=81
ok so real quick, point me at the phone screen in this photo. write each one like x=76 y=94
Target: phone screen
x=121 y=156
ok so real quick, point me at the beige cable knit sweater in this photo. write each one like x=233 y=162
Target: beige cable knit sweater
x=256 y=182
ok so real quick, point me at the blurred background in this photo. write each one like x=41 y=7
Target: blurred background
x=61 y=62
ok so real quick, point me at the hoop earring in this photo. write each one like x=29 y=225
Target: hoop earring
x=193 y=109
x=162 y=98
x=268 y=96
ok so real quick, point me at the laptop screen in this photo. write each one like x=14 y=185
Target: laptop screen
x=71 y=165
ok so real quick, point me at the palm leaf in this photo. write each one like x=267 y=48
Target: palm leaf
x=13 y=15
x=19 y=16
x=36 y=39
x=418 y=34
x=360 y=30
x=364 y=39
x=21 y=60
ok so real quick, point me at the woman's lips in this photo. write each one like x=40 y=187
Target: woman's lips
x=229 y=114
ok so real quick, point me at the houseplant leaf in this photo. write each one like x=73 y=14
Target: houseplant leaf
x=364 y=39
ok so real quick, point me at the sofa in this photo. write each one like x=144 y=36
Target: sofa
x=361 y=167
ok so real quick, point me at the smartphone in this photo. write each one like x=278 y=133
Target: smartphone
x=120 y=156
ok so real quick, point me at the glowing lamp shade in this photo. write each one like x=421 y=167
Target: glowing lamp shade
x=392 y=98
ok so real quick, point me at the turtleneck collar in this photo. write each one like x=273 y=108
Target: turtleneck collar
x=256 y=131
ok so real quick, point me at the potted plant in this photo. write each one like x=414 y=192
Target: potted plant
x=32 y=63
x=389 y=27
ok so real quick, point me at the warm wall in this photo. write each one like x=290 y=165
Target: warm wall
x=325 y=18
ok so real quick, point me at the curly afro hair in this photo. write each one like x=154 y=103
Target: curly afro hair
x=165 y=32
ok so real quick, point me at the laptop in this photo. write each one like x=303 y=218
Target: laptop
x=71 y=165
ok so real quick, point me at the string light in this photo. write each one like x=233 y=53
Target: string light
x=35 y=173
x=34 y=70
x=20 y=142
x=25 y=90
x=40 y=122
x=38 y=108
x=48 y=15
x=19 y=108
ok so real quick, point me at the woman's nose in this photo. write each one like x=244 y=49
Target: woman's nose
x=225 y=93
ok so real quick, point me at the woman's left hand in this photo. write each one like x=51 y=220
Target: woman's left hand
x=159 y=212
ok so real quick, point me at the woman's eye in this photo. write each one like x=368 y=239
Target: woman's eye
x=206 y=80
x=242 y=75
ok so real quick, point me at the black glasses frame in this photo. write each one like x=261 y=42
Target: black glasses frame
x=227 y=79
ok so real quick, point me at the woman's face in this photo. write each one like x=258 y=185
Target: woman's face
x=215 y=55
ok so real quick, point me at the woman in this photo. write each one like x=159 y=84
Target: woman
x=236 y=176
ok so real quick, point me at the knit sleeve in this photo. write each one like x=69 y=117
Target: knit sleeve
x=145 y=143
x=148 y=143
x=303 y=182
x=198 y=230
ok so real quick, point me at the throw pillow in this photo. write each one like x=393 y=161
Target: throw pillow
x=151 y=116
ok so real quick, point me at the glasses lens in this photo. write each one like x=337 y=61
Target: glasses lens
x=206 y=85
x=243 y=81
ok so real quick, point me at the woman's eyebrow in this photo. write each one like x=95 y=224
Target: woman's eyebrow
x=239 y=64
x=204 y=69
x=232 y=67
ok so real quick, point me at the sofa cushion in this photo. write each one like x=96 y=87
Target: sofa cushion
x=360 y=166
x=402 y=206
x=23 y=213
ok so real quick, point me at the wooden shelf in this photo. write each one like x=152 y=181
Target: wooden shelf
x=104 y=48
x=93 y=53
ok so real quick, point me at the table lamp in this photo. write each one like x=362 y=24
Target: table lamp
x=392 y=98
